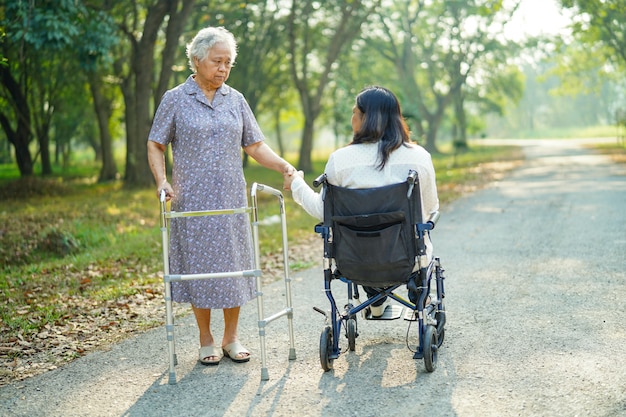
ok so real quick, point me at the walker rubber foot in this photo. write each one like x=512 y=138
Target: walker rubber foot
x=172 y=379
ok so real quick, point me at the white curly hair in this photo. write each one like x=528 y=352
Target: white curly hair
x=205 y=39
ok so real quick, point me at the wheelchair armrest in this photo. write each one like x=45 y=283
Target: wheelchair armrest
x=433 y=219
x=430 y=223
x=319 y=180
x=324 y=231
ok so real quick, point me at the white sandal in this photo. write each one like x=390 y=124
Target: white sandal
x=232 y=350
x=209 y=352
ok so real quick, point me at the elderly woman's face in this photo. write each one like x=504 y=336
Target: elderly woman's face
x=213 y=71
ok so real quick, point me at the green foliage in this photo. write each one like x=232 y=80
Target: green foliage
x=48 y=25
x=421 y=50
x=98 y=36
x=439 y=51
x=602 y=21
x=48 y=45
x=505 y=87
x=59 y=25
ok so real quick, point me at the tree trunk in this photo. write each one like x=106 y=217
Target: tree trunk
x=138 y=109
x=309 y=83
x=138 y=88
x=102 y=108
x=130 y=119
x=44 y=147
x=20 y=137
x=279 y=132
x=431 y=139
x=306 y=146
x=67 y=151
x=175 y=26
x=434 y=121
x=460 y=141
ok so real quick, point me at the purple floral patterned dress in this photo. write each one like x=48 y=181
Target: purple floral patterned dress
x=206 y=141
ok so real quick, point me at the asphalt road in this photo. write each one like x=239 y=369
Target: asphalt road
x=536 y=302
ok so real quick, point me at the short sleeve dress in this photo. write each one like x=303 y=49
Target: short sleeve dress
x=207 y=174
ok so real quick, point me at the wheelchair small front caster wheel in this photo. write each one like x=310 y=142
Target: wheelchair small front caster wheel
x=430 y=348
x=326 y=349
x=351 y=334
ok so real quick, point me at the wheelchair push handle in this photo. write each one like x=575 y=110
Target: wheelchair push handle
x=411 y=181
x=319 y=180
x=412 y=177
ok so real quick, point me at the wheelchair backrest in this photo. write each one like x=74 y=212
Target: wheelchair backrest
x=373 y=231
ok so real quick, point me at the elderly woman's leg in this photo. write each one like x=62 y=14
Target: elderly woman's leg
x=230 y=344
x=203 y=319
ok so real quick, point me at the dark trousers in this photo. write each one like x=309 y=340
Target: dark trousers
x=372 y=292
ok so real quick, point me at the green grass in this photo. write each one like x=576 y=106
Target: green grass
x=67 y=243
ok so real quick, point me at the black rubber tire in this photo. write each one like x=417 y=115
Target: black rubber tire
x=430 y=348
x=326 y=348
x=351 y=334
x=440 y=316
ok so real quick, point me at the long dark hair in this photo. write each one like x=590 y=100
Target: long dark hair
x=382 y=122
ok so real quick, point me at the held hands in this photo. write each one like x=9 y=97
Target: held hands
x=288 y=171
x=289 y=177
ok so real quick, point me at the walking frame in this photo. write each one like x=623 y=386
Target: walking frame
x=263 y=321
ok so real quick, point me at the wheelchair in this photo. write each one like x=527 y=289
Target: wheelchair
x=375 y=238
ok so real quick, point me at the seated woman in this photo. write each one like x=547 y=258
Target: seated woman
x=381 y=153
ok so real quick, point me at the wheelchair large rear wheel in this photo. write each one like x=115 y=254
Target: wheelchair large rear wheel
x=326 y=348
x=351 y=334
x=430 y=348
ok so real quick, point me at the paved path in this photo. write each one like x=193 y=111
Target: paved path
x=536 y=294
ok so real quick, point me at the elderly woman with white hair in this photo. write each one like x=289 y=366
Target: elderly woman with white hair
x=207 y=123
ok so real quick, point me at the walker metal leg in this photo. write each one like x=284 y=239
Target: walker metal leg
x=288 y=311
x=292 y=341
x=169 y=328
x=169 y=314
x=259 y=291
x=259 y=302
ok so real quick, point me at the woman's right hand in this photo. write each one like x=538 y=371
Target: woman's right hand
x=169 y=191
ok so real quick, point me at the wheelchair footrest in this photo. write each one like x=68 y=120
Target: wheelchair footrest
x=392 y=312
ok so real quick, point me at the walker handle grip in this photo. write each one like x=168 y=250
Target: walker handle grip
x=268 y=189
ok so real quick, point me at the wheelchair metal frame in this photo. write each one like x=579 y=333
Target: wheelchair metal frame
x=430 y=318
